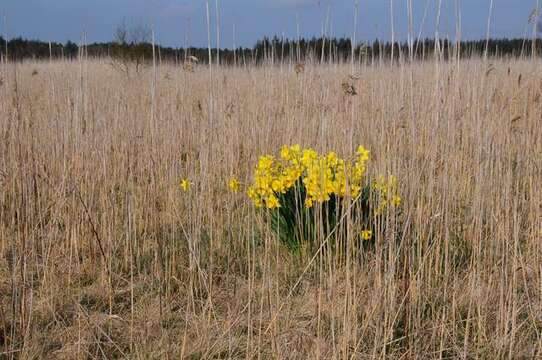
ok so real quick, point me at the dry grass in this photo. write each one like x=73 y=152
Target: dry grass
x=103 y=256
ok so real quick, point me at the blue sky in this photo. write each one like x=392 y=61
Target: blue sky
x=176 y=20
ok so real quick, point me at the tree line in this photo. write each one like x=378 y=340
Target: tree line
x=274 y=49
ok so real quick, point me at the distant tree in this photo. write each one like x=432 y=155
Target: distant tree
x=70 y=49
x=134 y=35
x=131 y=47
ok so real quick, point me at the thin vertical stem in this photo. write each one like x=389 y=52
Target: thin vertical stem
x=353 y=39
x=234 y=46
x=437 y=28
x=209 y=39
x=217 y=34
x=6 y=55
x=410 y=31
x=535 y=25
x=490 y=15
x=153 y=84
x=298 y=38
x=422 y=26
x=392 y=23
x=458 y=30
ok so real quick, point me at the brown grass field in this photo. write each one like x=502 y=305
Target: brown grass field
x=102 y=255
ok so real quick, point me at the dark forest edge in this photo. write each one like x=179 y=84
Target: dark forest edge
x=272 y=50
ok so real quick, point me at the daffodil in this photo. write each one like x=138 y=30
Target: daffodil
x=387 y=192
x=272 y=202
x=185 y=185
x=285 y=153
x=366 y=234
x=363 y=154
x=234 y=185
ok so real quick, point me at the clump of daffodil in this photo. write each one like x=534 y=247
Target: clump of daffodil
x=358 y=170
x=273 y=177
x=322 y=176
x=326 y=176
x=387 y=193
x=266 y=183
x=292 y=183
x=185 y=185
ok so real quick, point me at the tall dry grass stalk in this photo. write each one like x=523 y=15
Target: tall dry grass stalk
x=353 y=40
x=5 y=26
x=102 y=255
x=488 y=30
x=535 y=28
